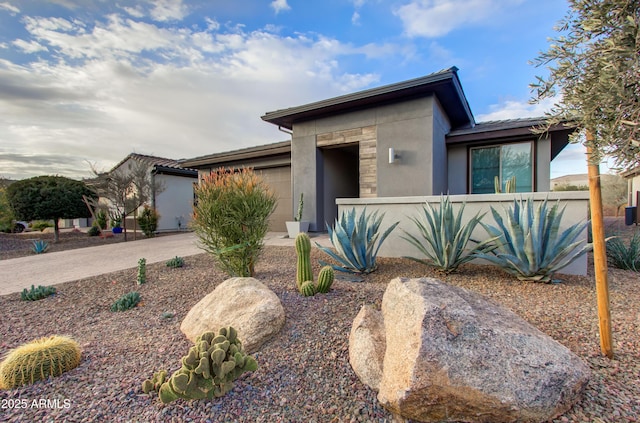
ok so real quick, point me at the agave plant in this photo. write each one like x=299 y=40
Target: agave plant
x=529 y=244
x=622 y=257
x=356 y=241
x=446 y=237
x=39 y=246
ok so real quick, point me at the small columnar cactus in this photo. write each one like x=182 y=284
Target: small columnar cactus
x=207 y=371
x=308 y=289
x=303 y=249
x=142 y=271
x=325 y=279
x=39 y=359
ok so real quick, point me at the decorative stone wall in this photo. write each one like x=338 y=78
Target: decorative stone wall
x=366 y=138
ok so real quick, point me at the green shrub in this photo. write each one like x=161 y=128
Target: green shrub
x=231 y=218
x=39 y=359
x=40 y=225
x=208 y=370
x=529 y=245
x=101 y=219
x=624 y=257
x=148 y=221
x=356 y=241
x=175 y=262
x=35 y=294
x=127 y=301
x=93 y=231
x=443 y=237
x=39 y=246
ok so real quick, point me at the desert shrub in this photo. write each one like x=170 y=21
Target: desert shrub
x=101 y=219
x=443 y=238
x=175 y=262
x=40 y=225
x=93 y=231
x=148 y=221
x=35 y=294
x=356 y=241
x=529 y=244
x=127 y=301
x=39 y=359
x=623 y=257
x=231 y=216
x=208 y=370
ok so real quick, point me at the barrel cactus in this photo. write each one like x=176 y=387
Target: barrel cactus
x=325 y=279
x=39 y=359
x=207 y=371
x=303 y=249
x=308 y=289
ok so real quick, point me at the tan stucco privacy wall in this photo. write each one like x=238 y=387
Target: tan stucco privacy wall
x=402 y=208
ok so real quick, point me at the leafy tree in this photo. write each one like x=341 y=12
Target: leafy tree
x=615 y=191
x=49 y=197
x=6 y=214
x=595 y=70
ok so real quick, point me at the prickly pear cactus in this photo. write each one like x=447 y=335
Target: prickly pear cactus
x=303 y=249
x=325 y=279
x=207 y=371
x=308 y=289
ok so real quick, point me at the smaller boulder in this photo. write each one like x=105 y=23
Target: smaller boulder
x=367 y=345
x=244 y=303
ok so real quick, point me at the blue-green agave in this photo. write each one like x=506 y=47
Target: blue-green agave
x=529 y=244
x=39 y=246
x=356 y=241
x=446 y=237
x=622 y=257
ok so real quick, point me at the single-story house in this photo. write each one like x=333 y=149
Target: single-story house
x=174 y=199
x=413 y=138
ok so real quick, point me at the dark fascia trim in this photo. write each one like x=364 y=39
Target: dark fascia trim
x=261 y=151
x=503 y=129
x=444 y=84
x=175 y=171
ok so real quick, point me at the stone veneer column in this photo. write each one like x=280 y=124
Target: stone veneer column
x=366 y=137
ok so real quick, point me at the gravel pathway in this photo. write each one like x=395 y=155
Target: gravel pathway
x=304 y=374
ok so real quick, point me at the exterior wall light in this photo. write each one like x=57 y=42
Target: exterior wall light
x=393 y=156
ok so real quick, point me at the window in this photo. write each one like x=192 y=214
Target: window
x=504 y=161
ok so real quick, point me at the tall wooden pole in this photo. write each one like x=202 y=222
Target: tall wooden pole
x=599 y=252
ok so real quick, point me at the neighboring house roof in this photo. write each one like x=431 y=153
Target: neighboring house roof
x=160 y=165
x=279 y=152
x=631 y=172
x=444 y=84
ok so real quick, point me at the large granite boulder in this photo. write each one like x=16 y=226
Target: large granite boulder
x=244 y=303
x=451 y=355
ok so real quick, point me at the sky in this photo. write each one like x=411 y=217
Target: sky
x=86 y=82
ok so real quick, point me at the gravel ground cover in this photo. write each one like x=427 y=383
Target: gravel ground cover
x=304 y=374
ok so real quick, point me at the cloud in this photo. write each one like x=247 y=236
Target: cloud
x=168 y=10
x=119 y=85
x=436 y=18
x=280 y=5
x=29 y=46
x=515 y=109
x=136 y=12
x=11 y=8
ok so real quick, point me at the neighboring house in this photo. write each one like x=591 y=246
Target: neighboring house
x=174 y=201
x=633 y=178
x=577 y=180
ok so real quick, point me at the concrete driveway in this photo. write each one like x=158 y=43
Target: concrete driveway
x=64 y=266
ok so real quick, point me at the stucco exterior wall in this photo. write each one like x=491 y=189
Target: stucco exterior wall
x=407 y=127
x=401 y=208
x=175 y=202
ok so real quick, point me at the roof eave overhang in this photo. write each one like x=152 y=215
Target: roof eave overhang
x=282 y=148
x=444 y=85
